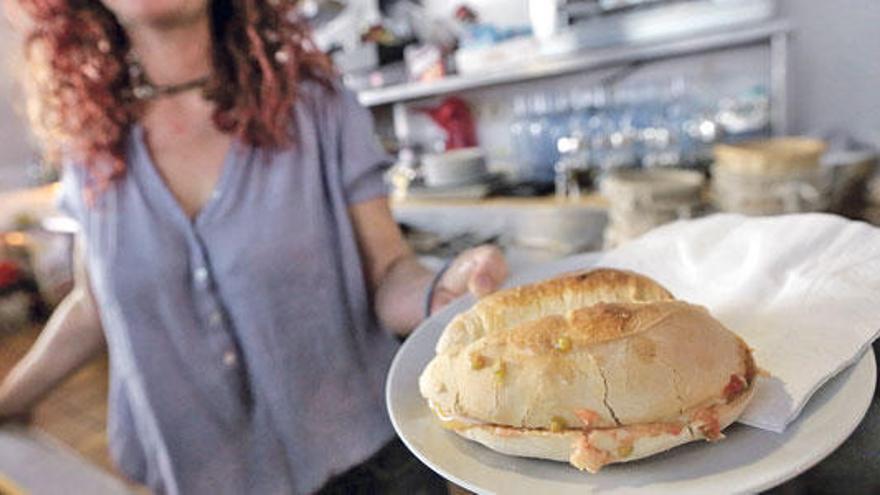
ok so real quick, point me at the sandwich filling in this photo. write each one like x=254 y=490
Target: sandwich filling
x=594 y=447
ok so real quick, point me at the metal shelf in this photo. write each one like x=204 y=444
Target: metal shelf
x=588 y=59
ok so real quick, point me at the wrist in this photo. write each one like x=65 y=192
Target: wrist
x=6 y=407
x=13 y=412
x=15 y=415
x=12 y=406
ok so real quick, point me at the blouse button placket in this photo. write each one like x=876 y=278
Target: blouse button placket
x=215 y=318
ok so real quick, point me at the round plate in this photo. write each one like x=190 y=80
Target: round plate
x=748 y=460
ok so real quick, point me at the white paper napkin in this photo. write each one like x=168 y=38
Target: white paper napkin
x=802 y=290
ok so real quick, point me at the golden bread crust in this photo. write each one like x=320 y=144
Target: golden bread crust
x=508 y=308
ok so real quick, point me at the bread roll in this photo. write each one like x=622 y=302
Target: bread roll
x=508 y=308
x=592 y=368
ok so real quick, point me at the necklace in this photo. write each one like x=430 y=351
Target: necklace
x=146 y=90
x=143 y=89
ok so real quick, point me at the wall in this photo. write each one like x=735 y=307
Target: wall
x=835 y=66
x=16 y=150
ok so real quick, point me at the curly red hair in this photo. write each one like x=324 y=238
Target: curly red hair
x=81 y=102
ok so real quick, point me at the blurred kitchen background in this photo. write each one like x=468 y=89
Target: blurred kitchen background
x=546 y=126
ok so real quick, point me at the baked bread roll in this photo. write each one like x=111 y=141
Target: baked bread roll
x=591 y=368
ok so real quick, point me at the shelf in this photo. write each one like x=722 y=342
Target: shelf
x=588 y=59
x=588 y=200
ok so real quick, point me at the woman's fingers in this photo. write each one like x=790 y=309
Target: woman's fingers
x=442 y=297
x=489 y=270
x=480 y=271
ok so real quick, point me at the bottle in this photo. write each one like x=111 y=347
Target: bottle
x=572 y=165
x=599 y=127
x=558 y=127
x=520 y=138
x=542 y=153
x=618 y=133
x=581 y=109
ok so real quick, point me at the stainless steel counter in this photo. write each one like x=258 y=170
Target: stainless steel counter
x=39 y=465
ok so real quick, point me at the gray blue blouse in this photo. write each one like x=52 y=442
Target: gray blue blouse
x=245 y=356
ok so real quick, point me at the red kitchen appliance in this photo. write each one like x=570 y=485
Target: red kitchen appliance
x=454 y=116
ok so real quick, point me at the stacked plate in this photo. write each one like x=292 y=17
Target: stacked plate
x=872 y=209
x=453 y=168
x=769 y=177
x=455 y=174
x=643 y=199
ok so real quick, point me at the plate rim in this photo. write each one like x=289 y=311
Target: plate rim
x=814 y=458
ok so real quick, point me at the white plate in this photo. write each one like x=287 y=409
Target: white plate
x=747 y=460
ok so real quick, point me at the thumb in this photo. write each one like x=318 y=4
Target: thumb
x=488 y=272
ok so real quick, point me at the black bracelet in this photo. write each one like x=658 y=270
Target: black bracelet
x=432 y=288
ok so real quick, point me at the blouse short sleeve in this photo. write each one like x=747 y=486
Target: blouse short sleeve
x=69 y=199
x=363 y=162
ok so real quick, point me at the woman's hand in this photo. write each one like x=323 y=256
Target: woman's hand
x=15 y=417
x=73 y=336
x=399 y=281
x=10 y=411
x=480 y=271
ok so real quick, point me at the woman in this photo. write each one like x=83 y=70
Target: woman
x=238 y=255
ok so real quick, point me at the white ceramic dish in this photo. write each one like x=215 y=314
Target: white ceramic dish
x=454 y=168
x=748 y=460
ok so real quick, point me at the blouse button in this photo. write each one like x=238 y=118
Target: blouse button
x=201 y=276
x=215 y=319
x=230 y=359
